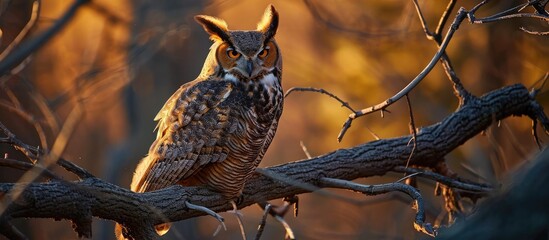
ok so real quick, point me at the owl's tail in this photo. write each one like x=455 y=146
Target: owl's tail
x=161 y=229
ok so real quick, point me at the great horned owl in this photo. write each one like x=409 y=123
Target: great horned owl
x=214 y=130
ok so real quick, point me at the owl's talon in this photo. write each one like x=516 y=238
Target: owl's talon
x=239 y=216
x=207 y=211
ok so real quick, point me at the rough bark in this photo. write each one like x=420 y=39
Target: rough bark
x=80 y=200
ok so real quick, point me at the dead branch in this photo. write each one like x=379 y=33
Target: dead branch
x=371 y=190
x=459 y=90
x=462 y=14
x=81 y=200
x=451 y=182
x=322 y=91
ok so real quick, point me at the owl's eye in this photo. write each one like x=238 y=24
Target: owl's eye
x=232 y=53
x=263 y=53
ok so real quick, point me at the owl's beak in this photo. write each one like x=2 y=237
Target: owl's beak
x=249 y=67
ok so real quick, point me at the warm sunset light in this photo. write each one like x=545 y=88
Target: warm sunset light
x=420 y=119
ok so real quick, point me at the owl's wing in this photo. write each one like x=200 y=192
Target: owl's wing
x=168 y=106
x=269 y=137
x=193 y=130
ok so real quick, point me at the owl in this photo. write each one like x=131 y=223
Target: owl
x=214 y=130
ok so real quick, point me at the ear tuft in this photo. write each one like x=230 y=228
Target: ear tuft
x=217 y=28
x=269 y=22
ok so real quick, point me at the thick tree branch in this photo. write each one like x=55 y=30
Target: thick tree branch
x=80 y=200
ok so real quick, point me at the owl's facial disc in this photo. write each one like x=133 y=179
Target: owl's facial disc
x=249 y=65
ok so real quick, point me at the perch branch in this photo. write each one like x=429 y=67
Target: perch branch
x=140 y=211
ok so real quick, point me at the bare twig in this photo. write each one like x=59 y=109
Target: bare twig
x=304 y=185
x=459 y=90
x=510 y=16
x=36 y=123
x=208 y=211
x=238 y=216
x=304 y=148
x=319 y=90
x=429 y=34
x=278 y=212
x=455 y=183
x=444 y=18
x=376 y=137
x=31 y=152
x=535 y=133
x=478 y=6
x=507 y=14
x=370 y=190
x=72 y=167
x=413 y=129
x=534 y=32
x=17 y=164
x=34 y=153
x=263 y=221
x=28 y=47
x=289 y=232
x=47 y=113
x=383 y=105
x=407 y=177
x=542 y=81
x=24 y=31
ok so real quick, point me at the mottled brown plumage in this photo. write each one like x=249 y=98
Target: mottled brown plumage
x=214 y=130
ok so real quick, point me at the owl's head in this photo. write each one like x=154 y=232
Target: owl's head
x=242 y=55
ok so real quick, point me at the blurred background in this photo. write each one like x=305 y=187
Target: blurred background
x=119 y=61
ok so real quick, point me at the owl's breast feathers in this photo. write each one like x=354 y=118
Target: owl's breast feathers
x=211 y=132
